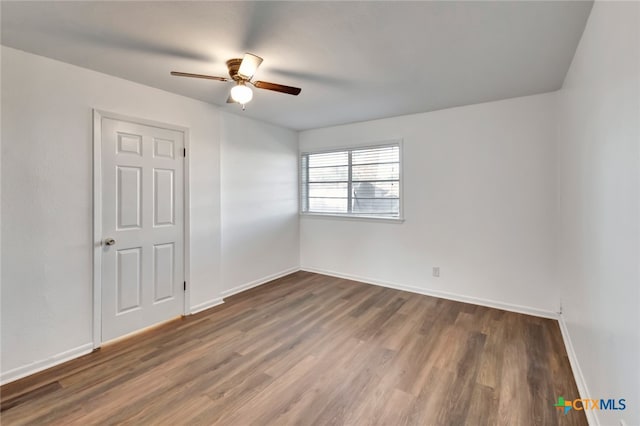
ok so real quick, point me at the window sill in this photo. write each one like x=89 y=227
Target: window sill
x=353 y=217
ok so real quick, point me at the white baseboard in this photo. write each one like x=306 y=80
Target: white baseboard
x=441 y=294
x=37 y=366
x=206 y=305
x=239 y=289
x=583 y=390
x=258 y=282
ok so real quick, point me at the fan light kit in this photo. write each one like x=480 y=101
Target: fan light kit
x=241 y=93
x=241 y=72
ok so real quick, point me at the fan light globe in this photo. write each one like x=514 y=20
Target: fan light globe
x=241 y=94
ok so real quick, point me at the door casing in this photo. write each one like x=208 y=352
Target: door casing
x=98 y=115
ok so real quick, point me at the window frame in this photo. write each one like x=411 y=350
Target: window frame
x=349 y=149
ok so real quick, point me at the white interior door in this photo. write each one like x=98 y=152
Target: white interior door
x=142 y=226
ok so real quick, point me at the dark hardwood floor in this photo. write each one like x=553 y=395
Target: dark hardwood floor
x=314 y=350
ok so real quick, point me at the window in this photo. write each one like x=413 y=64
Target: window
x=361 y=182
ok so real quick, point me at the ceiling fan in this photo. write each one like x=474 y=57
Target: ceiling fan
x=241 y=71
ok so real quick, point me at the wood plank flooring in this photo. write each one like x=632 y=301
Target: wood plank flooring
x=309 y=349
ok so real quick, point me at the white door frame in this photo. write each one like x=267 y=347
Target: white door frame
x=98 y=115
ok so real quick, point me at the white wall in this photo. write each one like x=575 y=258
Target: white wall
x=47 y=200
x=479 y=203
x=259 y=202
x=599 y=214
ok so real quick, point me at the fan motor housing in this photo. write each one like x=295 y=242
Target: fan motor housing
x=234 y=65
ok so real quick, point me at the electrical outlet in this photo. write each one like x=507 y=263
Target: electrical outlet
x=436 y=271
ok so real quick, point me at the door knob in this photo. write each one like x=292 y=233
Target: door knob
x=109 y=242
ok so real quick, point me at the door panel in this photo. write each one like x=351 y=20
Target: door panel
x=129 y=144
x=163 y=261
x=143 y=211
x=164 y=148
x=129 y=198
x=129 y=287
x=163 y=185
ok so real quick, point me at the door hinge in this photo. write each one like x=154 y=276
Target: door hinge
x=184 y=287
x=184 y=152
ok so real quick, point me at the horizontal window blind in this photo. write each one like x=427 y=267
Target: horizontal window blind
x=358 y=181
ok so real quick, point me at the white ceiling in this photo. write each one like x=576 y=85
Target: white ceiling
x=355 y=61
